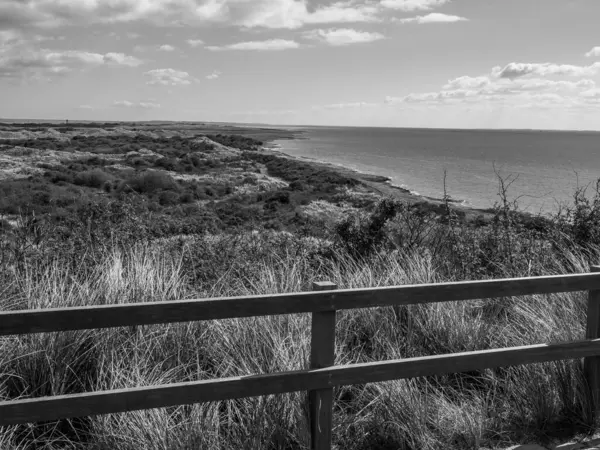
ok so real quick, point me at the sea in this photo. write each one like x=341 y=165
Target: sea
x=542 y=168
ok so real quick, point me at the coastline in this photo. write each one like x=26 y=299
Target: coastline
x=383 y=186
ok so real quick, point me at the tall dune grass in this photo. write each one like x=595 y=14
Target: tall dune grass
x=487 y=408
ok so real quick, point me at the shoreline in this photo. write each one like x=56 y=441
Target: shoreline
x=383 y=186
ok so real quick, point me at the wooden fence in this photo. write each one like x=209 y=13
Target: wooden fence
x=323 y=375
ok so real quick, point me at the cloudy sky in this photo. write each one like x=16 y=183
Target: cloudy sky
x=416 y=63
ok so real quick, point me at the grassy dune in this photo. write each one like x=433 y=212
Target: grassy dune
x=144 y=218
x=486 y=408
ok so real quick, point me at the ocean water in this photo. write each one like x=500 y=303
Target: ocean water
x=547 y=165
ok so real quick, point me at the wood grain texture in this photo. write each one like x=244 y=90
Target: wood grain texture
x=106 y=316
x=591 y=364
x=322 y=354
x=105 y=402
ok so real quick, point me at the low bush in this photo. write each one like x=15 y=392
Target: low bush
x=166 y=163
x=58 y=176
x=236 y=141
x=149 y=182
x=5 y=226
x=169 y=198
x=95 y=178
x=321 y=179
x=362 y=235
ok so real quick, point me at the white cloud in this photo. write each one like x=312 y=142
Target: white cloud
x=467 y=82
x=49 y=13
x=492 y=86
x=537 y=84
x=169 y=77
x=41 y=38
x=593 y=52
x=342 y=12
x=16 y=14
x=8 y=38
x=433 y=18
x=517 y=70
x=214 y=75
x=346 y=105
x=247 y=13
x=591 y=93
x=195 y=42
x=166 y=48
x=88 y=107
x=433 y=97
x=18 y=38
x=141 y=105
x=122 y=59
x=77 y=56
x=413 y=5
x=148 y=105
x=123 y=104
x=26 y=62
x=264 y=112
x=344 y=36
x=518 y=91
x=293 y=14
x=268 y=45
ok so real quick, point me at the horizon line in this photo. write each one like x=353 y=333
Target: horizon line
x=262 y=124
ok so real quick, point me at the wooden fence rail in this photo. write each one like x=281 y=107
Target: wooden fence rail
x=322 y=376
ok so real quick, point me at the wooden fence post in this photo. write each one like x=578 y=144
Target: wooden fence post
x=322 y=354
x=591 y=364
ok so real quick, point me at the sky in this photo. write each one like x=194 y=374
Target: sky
x=389 y=63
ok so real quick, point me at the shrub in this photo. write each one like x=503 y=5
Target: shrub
x=58 y=176
x=279 y=197
x=236 y=141
x=361 y=236
x=95 y=178
x=166 y=163
x=322 y=179
x=140 y=162
x=186 y=198
x=149 y=182
x=582 y=220
x=168 y=198
x=195 y=161
x=237 y=215
x=41 y=198
x=298 y=186
x=4 y=225
x=249 y=180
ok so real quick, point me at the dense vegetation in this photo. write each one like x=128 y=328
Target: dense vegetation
x=147 y=175
x=46 y=125
x=179 y=219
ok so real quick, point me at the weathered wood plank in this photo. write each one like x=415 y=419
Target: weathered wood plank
x=105 y=402
x=591 y=364
x=322 y=354
x=106 y=316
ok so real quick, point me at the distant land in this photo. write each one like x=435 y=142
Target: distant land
x=292 y=127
